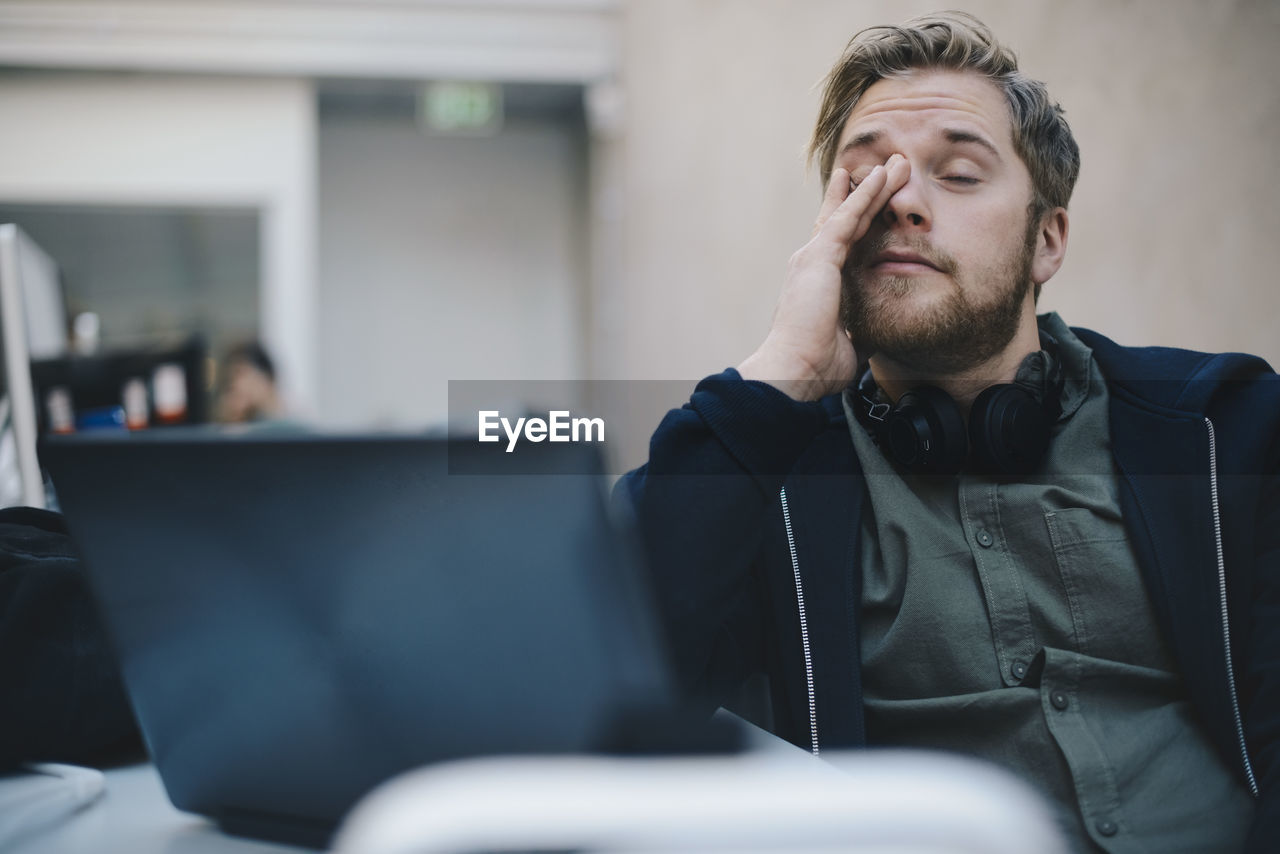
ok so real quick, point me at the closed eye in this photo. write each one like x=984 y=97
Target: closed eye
x=859 y=176
x=961 y=179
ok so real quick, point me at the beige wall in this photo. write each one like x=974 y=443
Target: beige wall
x=1174 y=224
x=437 y=266
x=698 y=193
x=159 y=140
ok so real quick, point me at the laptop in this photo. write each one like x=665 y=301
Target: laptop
x=299 y=617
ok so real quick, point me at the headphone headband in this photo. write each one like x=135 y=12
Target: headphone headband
x=1008 y=429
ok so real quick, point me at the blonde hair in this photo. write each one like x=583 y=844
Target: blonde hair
x=953 y=41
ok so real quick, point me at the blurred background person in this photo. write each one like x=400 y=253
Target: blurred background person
x=248 y=390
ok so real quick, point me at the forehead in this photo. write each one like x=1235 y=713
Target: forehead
x=242 y=368
x=924 y=101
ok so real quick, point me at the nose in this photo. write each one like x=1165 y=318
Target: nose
x=908 y=209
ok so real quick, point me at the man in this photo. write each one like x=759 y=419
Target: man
x=932 y=519
x=249 y=390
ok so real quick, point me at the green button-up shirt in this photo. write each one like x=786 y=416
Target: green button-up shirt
x=1007 y=619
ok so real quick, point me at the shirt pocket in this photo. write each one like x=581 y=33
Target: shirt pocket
x=1110 y=610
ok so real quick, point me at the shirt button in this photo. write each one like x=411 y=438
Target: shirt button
x=1060 y=702
x=1107 y=828
x=984 y=538
x=1019 y=669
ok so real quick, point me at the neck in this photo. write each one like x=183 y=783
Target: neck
x=897 y=378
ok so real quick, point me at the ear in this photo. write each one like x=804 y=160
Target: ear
x=1051 y=245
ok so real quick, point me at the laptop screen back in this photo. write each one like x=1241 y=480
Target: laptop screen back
x=300 y=618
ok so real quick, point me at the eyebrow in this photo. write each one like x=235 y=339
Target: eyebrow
x=955 y=136
x=961 y=137
x=862 y=140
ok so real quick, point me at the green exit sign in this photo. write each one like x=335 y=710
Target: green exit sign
x=461 y=108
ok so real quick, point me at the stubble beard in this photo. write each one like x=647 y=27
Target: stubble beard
x=955 y=332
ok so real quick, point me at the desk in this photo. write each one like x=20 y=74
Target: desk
x=773 y=798
x=135 y=817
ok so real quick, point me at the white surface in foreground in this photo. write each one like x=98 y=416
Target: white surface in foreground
x=867 y=801
x=133 y=816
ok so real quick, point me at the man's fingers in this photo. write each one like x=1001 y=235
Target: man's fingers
x=837 y=192
x=839 y=225
x=896 y=172
x=850 y=221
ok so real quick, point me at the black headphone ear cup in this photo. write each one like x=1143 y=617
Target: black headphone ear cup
x=1009 y=430
x=925 y=432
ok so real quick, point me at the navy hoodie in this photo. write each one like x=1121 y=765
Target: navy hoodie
x=751 y=501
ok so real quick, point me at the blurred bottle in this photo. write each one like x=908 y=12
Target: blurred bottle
x=169 y=392
x=62 y=417
x=134 y=397
x=86 y=333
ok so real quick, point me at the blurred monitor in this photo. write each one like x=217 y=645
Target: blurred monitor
x=33 y=324
x=42 y=299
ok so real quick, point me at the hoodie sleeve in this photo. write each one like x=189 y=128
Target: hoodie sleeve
x=64 y=699
x=715 y=469
x=1261 y=689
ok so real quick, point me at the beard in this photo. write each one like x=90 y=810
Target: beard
x=951 y=334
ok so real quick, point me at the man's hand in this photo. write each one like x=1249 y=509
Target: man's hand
x=807 y=353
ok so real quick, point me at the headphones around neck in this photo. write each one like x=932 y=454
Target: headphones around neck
x=1008 y=429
